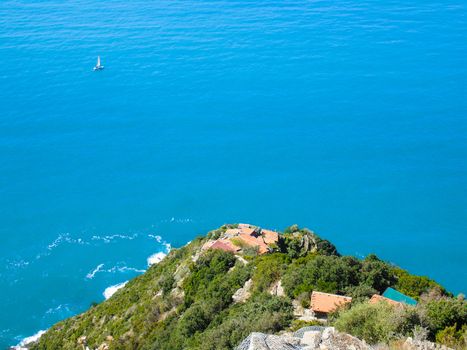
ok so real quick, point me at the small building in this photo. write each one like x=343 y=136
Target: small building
x=376 y=298
x=224 y=245
x=253 y=241
x=246 y=235
x=324 y=303
x=269 y=236
x=395 y=295
x=254 y=236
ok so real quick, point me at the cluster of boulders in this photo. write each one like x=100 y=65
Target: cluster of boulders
x=413 y=344
x=307 y=338
x=325 y=338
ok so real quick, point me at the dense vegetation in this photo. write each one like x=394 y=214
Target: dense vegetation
x=185 y=302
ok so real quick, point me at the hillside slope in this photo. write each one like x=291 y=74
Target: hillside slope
x=186 y=301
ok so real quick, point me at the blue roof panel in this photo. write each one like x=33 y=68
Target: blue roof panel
x=395 y=295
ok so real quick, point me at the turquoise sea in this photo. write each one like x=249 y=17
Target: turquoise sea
x=348 y=117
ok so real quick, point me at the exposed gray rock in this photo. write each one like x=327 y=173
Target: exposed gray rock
x=277 y=289
x=412 y=344
x=242 y=294
x=307 y=338
x=303 y=314
x=334 y=340
x=261 y=341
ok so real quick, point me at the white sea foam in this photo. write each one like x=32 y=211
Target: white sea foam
x=16 y=264
x=65 y=238
x=109 y=291
x=124 y=269
x=110 y=238
x=156 y=258
x=91 y=274
x=159 y=239
x=177 y=220
x=118 y=268
x=23 y=343
x=156 y=237
x=59 y=308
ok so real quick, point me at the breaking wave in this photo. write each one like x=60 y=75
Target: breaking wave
x=23 y=343
x=159 y=239
x=109 y=291
x=156 y=258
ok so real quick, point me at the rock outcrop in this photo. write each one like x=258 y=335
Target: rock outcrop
x=242 y=294
x=412 y=344
x=307 y=338
x=325 y=338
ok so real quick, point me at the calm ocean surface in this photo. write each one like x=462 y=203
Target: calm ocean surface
x=348 y=117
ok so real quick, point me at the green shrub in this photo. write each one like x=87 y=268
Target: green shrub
x=360 y=293
x=445 y=312
x=262 y=313
x=452 y=337
x=269 y=269
x=371 y=322
x=251 y=251
x=297 y=324
x=330 y=274
x=166 y=283
x=414 y=286
x=377 y=274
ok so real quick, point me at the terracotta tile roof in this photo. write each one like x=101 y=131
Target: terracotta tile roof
x=379 y=298
x=247 y=230
x=270 y=236
x=208 y=245
x=244 y=225
x=254 y=241
x=325 y=302
x=232 y=232
x=224 y=245
x=249 y=234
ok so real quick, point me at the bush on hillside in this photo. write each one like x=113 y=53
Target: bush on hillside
x=414 y=286
x=445 y=312
x=262 y=313
x=269 y=269
x=452 y=337
x=331 y=274
x=374 y=323
x=377 y=273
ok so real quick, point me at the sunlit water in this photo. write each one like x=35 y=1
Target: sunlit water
x=344 y=116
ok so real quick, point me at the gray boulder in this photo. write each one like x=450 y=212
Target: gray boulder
x=307 y=338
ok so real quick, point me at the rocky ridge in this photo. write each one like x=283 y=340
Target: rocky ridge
x=325 y=338
x=307 y=338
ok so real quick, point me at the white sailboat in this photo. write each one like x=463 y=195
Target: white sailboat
x=98 y=66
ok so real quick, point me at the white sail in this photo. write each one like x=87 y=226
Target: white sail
x=98 y=61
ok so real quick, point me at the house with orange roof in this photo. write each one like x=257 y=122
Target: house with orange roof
x=248 y=235
x=244 y=225
x=231 y=232
x=376 y=298
x=251 y=231
x=253 y=241
x=224 y=245
x=269 y=236
x=324 y=303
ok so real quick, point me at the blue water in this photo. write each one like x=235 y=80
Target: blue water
x=345 y=116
